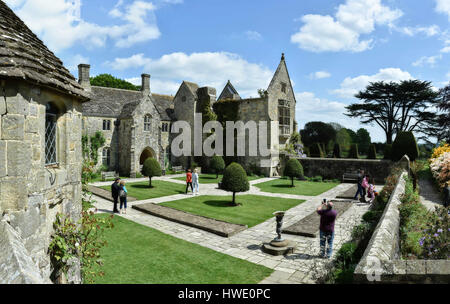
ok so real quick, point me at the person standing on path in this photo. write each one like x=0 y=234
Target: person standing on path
x=360 y=190
x=123 y=193
x=365 y=186
x=189 y=181
x=195 y=181
x=327 y=219
x=115 y=190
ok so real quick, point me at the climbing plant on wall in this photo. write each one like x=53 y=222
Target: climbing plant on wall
x=97 y=141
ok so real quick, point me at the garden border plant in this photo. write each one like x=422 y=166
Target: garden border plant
x=350 y=253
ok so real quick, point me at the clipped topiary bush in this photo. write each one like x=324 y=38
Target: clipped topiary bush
x=337 y=151
x=372 y=152
x=293 y=170
x=217 y=164
x=235 y=180
x=151 y=168
x=316 y=151
x=405 y=143
x=387 y=151
x=353 y=151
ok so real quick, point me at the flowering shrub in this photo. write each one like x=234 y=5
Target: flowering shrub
x=423 y=234
x=440 y=168
x=435 y=242
x=440 y=150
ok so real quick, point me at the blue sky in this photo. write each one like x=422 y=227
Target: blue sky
x=333 y=48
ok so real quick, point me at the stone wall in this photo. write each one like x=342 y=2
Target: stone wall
x=334 y=168
x=31 y=193
x=381 y=261
x=93 y=124
x=144 y=139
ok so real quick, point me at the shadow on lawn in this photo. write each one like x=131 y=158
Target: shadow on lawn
x=287 y=185
x=219 y=203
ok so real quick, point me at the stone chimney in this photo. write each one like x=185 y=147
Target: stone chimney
x=83 y=75
x=145 y=83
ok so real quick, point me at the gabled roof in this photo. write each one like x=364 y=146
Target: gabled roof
x=229 y=92
x=110 y=102
x=193 y=87
x=23 y=55
x=164 y=105
x=278 y=71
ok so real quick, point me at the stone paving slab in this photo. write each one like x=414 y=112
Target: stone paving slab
x=204 y=223
x=309 y=225
x=106 y=194
x=349 y=193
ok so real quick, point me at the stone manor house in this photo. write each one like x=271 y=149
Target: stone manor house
x=137 y=125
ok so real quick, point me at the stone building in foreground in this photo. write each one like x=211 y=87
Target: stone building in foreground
x=40 y=150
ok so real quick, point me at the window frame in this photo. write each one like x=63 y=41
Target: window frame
x=54 y=130
x=147 y=123
x=108 y=125
x=107 y=156
x=284 y=116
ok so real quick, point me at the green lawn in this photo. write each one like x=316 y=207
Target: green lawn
x=141 y=191
x=211 y=178
x=301 y=187
x=255 y=209
x=136 y=254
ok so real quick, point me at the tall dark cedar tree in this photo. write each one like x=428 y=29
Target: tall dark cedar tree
x=396 y=107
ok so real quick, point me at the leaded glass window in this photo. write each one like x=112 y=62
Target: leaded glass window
x=284 y=116
x=147 y=122
x=51 y=113
x=106 y=157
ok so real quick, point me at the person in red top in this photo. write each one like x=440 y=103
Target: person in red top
x=189 y=181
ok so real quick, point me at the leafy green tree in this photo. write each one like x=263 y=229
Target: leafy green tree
x=109 y=81
x=396 y=107
x=353 y=136
x=217 y=164
x=343 y=138
x=363 y=140
x=151 y=168
x=405 y=143
x=317 y=132
x=235 y=180
x=293 y=170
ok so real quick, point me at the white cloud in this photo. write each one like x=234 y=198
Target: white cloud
x=253 y=35
x=343 y=32
x=429 y=31
x=443 y=6
x=446 y=49
x=206 y=69
x=319 y=75
x=59 y=23
x=351 y=86
x=427 y=60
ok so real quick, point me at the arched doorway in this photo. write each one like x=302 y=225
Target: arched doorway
x=146 y=153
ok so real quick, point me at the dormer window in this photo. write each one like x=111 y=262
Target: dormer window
x=183 y=98
x=283 y=87
x=147 y=122
x=165 y=127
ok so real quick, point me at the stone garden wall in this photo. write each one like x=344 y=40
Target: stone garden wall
x=334 y=168
x=381 y=261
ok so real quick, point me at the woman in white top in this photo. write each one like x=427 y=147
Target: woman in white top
x=195 y=181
